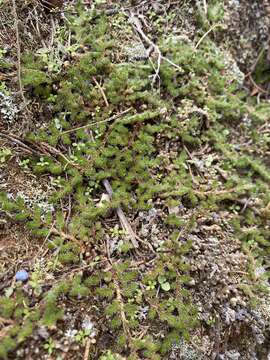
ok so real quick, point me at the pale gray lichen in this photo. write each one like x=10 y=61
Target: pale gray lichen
x=37 y=198
x=136 y=51
x=185 y=351
x=233 y=68
x=8 y=109
x=88 y=325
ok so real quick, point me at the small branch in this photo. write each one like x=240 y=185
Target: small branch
x=6 y=321
x=253 y=67
x=4 y=331
x=18 y=46
x=259 y=88
x=114 y=117
x=44 y=148
x=136 y=24
x=246 y=204
x=87 y=349
x=17 y=141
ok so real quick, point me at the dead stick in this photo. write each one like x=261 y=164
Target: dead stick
x=114 y=117
x=123 y=220
x=207 y=33
x=15 y=139
x=87 y=350
x=18 y=46
x=137 y=26
x=6 y=321
x=205 y=6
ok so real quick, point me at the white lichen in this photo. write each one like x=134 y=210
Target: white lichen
x=8 y=109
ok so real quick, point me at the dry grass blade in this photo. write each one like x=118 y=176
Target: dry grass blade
x=122 y=310
x=207 y=33
x=102 y=91
x=65 y=236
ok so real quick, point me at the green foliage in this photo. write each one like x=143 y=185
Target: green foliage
x=77 y=288
x=198 y=103
x=215 y=13
x=261 y=71
x=4 y=155
x=164 y=284
x=49 y=346
x=51 y=314
x=25 y=331
x=7 y=344
x=110 y=356
x=82 y=335
x=7 y=307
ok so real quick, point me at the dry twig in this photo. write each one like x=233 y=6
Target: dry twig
x=15 y=139
x=18 y=46
x=6 y=321
x=136 y=24
x=87 y=349
x=122 y=310
x=65 y=236
x=5 y=331
x=114 y=117
x=258 y=88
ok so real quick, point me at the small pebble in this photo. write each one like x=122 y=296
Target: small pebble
x=191 y=282
x=234 y=301
x=21 y=275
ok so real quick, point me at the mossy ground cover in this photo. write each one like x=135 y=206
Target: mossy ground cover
x=185 y=148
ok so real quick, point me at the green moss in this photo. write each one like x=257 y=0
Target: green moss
x=7 y=344
x=51 y=314
x=77 y=288
x=7 y=307
x=148 y=155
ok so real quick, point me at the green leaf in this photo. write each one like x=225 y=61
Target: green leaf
x=9 y=291
x=161 y=279
x=165 y=286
